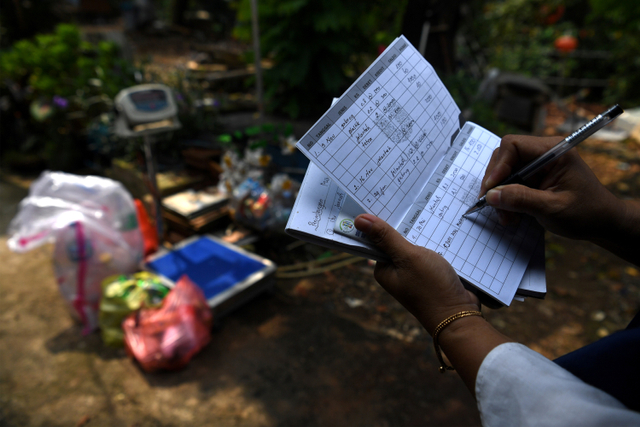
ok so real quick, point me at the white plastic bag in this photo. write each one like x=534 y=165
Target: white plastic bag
x=92 y=221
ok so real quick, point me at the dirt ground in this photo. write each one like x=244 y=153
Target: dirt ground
x=328 y=349
x=297 y=357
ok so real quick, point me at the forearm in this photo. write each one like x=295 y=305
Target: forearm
x=426 y=285
x=623 y=232
x=466 y=342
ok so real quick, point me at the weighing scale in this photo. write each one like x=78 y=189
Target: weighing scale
x=227 y=275
x=146 y=111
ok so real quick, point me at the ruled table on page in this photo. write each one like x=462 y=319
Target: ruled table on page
x=481 y=250
x=386 y=135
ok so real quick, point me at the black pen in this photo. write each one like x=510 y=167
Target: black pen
x=556 y=151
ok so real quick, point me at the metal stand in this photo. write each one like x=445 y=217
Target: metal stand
x=257 y=58
x=155 y=192
x=147 y=110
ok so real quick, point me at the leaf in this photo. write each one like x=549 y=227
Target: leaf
x=261 y=143
x=225 y=138
x=268 y=127
x=252 y=131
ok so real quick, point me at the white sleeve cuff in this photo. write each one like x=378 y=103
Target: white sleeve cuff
x=516 y=386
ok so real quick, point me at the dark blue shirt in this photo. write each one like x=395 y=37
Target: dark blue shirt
x=611 y=364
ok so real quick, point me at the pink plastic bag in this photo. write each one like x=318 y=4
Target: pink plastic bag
x=168 y=337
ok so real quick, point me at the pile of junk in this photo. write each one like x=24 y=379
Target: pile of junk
x=114 y=268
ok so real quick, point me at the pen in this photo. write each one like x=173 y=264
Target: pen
x=556 y=151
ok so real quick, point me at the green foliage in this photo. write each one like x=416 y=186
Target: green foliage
x=62 y=64
x=259 y=136
x=618 y=25
x=59 y=84
x=518 y=36
x=318 y=47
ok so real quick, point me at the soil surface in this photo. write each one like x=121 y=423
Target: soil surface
x=327 y=349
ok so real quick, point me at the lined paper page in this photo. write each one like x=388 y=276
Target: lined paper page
x=390 y=143
x=482 y=251
x=491 y=257
x=386 y=135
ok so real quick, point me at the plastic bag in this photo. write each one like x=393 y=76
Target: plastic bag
x=92 y=221
x=283 y=191
x=57 y=199
x=262 y=208
x=250 y=203
x=121 y=296
x=168 y=337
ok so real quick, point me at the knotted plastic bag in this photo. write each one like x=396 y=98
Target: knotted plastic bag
x=168 y=337
x=123 y=295
x=92 y=221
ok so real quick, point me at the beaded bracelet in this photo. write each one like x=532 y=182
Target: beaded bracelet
x=444 y=324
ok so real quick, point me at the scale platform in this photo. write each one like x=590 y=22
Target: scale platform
x=228 y=275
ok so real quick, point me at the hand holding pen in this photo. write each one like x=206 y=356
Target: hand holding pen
x=563 y=195
x=525 y=173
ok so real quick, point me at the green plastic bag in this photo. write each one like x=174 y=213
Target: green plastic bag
x=122 y=295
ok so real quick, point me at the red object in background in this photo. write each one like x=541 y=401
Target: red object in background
x=566 y=44
x=149 y=232
x=381 y=49
x=552 y=15
x=168 y=337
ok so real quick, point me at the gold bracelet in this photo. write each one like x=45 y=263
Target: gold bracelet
x=444 y=324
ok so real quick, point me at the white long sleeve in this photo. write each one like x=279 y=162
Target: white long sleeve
x=516 y=386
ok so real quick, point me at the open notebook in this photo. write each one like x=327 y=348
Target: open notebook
x=394 y=145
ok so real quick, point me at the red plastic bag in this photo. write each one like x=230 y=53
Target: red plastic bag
x=168 y=337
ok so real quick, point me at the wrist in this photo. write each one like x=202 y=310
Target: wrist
x=626 y=224
x=613 y=220
x=432 y=319
x=466 y=342
x=461 y=329
x=461 y=316
x=471 y=336
x=622 y=231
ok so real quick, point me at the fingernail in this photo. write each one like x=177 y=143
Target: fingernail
x=493 y=196
x=363 y=224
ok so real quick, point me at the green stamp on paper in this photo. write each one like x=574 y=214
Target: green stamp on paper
x=346 y=225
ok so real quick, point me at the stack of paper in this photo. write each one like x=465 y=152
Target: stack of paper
x=394 y=145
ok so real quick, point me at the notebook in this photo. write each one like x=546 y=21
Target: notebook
x=395 y=145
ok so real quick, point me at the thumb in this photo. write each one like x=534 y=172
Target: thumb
x=520 y=198
x=385 y=237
